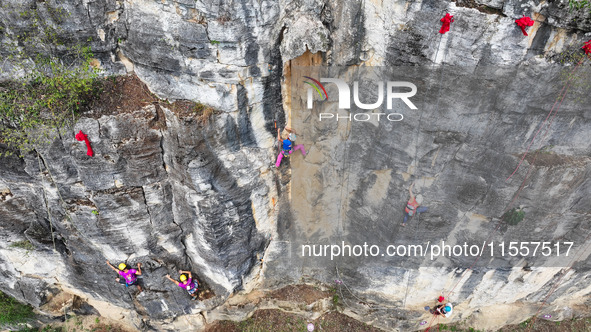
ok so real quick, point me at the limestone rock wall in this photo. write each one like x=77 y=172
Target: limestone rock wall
x=164 y=195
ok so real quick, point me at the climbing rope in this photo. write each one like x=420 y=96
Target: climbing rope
x=340 y=227
x=563 y=94
x=64 y=207
x=46 y=199
x=435 y=317
x=416 y=162
x=346 y=160
x=499 y=224
x=564 y=91
x=340 y=219
x=340 y=210
x=418 y=132
x=574 y=260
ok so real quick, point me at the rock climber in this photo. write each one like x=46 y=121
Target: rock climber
x=129 y=275
x=287 y=144
x=412 y=206
x=187 y=283
x=442 y=309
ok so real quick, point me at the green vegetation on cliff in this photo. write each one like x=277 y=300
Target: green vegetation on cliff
x=12 y=311
x=52 y=81
x=35 y=107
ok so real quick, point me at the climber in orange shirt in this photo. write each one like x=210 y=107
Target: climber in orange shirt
x=413 y=205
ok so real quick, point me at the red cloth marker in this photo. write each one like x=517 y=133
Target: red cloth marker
x=447 y=20
x=83 y=137
x=523 y=22
x=587 y=47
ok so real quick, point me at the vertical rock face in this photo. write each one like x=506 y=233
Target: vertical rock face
x=173 y=193
x=352 y=187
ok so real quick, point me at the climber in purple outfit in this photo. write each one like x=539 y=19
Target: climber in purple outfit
x=187 y=283
x=129 y=275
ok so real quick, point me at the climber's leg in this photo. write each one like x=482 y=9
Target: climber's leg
x=279 y=158
x=405 y=219
x=422 y=209
x=194 y=293
x=301 y=148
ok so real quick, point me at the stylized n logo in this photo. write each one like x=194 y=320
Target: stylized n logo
x=344 y=93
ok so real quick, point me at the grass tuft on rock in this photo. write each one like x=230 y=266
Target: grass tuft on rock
x=12 y=311
x=513 y=216
x=25 y=244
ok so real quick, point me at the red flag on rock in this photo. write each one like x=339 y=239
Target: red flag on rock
x=446 y=23
x=523 y=22
x=587 y=47
x=83 y=137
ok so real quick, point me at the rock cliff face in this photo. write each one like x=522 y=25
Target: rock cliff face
x=158 y=192
x=172 y=192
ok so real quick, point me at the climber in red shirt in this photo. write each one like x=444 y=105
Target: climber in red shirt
x=412 y=206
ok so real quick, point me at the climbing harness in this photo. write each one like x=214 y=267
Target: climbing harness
x=411 y=207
